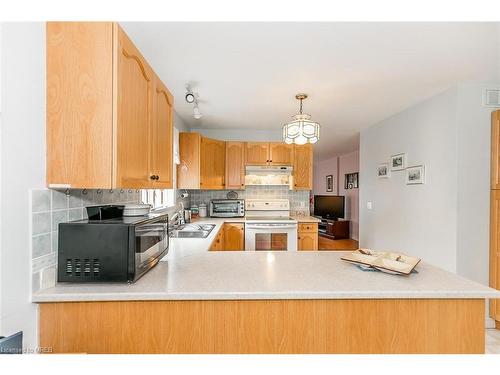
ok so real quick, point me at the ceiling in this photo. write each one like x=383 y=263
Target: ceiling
x=356 y=74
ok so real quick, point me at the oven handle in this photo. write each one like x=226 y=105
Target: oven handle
x=270 y=226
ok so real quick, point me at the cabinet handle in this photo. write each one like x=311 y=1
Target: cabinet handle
x=152 y=177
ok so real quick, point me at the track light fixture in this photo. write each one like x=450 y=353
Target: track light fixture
x=192 y=98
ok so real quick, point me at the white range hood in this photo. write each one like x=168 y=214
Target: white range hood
x=272 y=175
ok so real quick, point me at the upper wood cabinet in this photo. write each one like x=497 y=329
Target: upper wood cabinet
x=188 y=171
x=235 y=165
x=280 y=153
x=303 y=167
x=107 y=126
x=257 y=153
x=134 y=116
x=495 y=150
x=162 y=134
x=202 y=162
x=268 y=153
x=213 y=154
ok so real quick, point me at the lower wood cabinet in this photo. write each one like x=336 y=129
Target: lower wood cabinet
x=495 y=253
x=307 y=236
x=234 y=236
x=231 y=237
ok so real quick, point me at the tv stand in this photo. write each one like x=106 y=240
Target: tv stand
x=333 y=228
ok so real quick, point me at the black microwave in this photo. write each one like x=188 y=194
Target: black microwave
x=111 y=250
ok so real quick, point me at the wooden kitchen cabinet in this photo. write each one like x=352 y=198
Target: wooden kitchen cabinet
x=307 y=236
x=163 y=134
x=218 y=242
x=303 y=167
x=495 y=253
x=235 y=165
x=495 y=150
x=269 y=153
x=202 y=162
x=257 y=153
x=212 y=164
x=107 y=126
x=280 y=153
x=234 y=236
x=134 y=116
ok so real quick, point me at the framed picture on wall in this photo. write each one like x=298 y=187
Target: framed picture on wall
x=398 y=162
x=351 y=180
x=415 y=175
x=383 y=170
x=329 y=183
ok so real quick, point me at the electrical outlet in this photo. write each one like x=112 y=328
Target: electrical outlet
x=369 y=205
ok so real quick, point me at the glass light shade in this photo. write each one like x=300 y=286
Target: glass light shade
x=301 y=130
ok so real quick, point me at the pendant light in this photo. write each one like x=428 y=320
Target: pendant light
x=301 y=129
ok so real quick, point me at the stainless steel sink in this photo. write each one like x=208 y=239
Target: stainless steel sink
x=192 y=231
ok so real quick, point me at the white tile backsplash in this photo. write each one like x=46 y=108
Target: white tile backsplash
x=299 y=200
x=51 y=207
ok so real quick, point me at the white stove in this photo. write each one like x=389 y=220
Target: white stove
x=269 y=226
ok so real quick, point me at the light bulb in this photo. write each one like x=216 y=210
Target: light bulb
x=196 y=113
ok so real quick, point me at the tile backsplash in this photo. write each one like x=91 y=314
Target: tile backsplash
x=299 y=200
x=51 y=207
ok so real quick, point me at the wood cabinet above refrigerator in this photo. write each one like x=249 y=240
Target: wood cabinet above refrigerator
x=109 y=116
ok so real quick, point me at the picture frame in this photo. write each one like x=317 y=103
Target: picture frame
x=383 y=170
x=329 y=183
x=415 y=175
x=351 y=180
x=398 y=162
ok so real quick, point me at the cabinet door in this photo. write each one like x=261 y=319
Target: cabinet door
x=303 y=167
x=257 y=153
x=79 y=111
x=495 y=251
x=280 y=153
x=162 y=153
x=133 y=117
x=218 y=243
x=495 y=150
x=212 y=172
x=235 y=165
x=308 y=241
x=188 y=171
x=234 y=236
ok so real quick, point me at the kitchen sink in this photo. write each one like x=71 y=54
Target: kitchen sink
x=192 y=231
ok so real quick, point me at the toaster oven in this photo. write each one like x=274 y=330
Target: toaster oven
x=227 y=208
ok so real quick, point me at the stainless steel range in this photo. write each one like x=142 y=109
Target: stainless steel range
x=268 y=225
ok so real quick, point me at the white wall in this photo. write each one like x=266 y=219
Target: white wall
x=22 y=167
x=419 y=219
x=474 y=138
x=254 y=135
x=321 y=169
x=446 y=220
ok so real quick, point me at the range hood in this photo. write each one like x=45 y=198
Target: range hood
x=272 y=175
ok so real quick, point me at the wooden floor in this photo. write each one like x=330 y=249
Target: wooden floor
x=328 y=244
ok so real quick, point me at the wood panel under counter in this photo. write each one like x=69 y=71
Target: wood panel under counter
x=265 y=326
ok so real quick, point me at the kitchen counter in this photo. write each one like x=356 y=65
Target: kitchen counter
x=200 y=301
x=190 y=272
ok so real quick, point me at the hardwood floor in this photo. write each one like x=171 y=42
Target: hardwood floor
x=339 y=245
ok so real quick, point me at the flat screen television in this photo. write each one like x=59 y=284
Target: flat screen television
x=329 y=206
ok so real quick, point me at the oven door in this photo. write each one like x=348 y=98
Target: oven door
x=271 y=237
x=151 y=244
x=225 y=209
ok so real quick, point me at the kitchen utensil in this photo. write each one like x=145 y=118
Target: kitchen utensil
x=136 y=209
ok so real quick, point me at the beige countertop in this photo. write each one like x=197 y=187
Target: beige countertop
x=190 y=272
